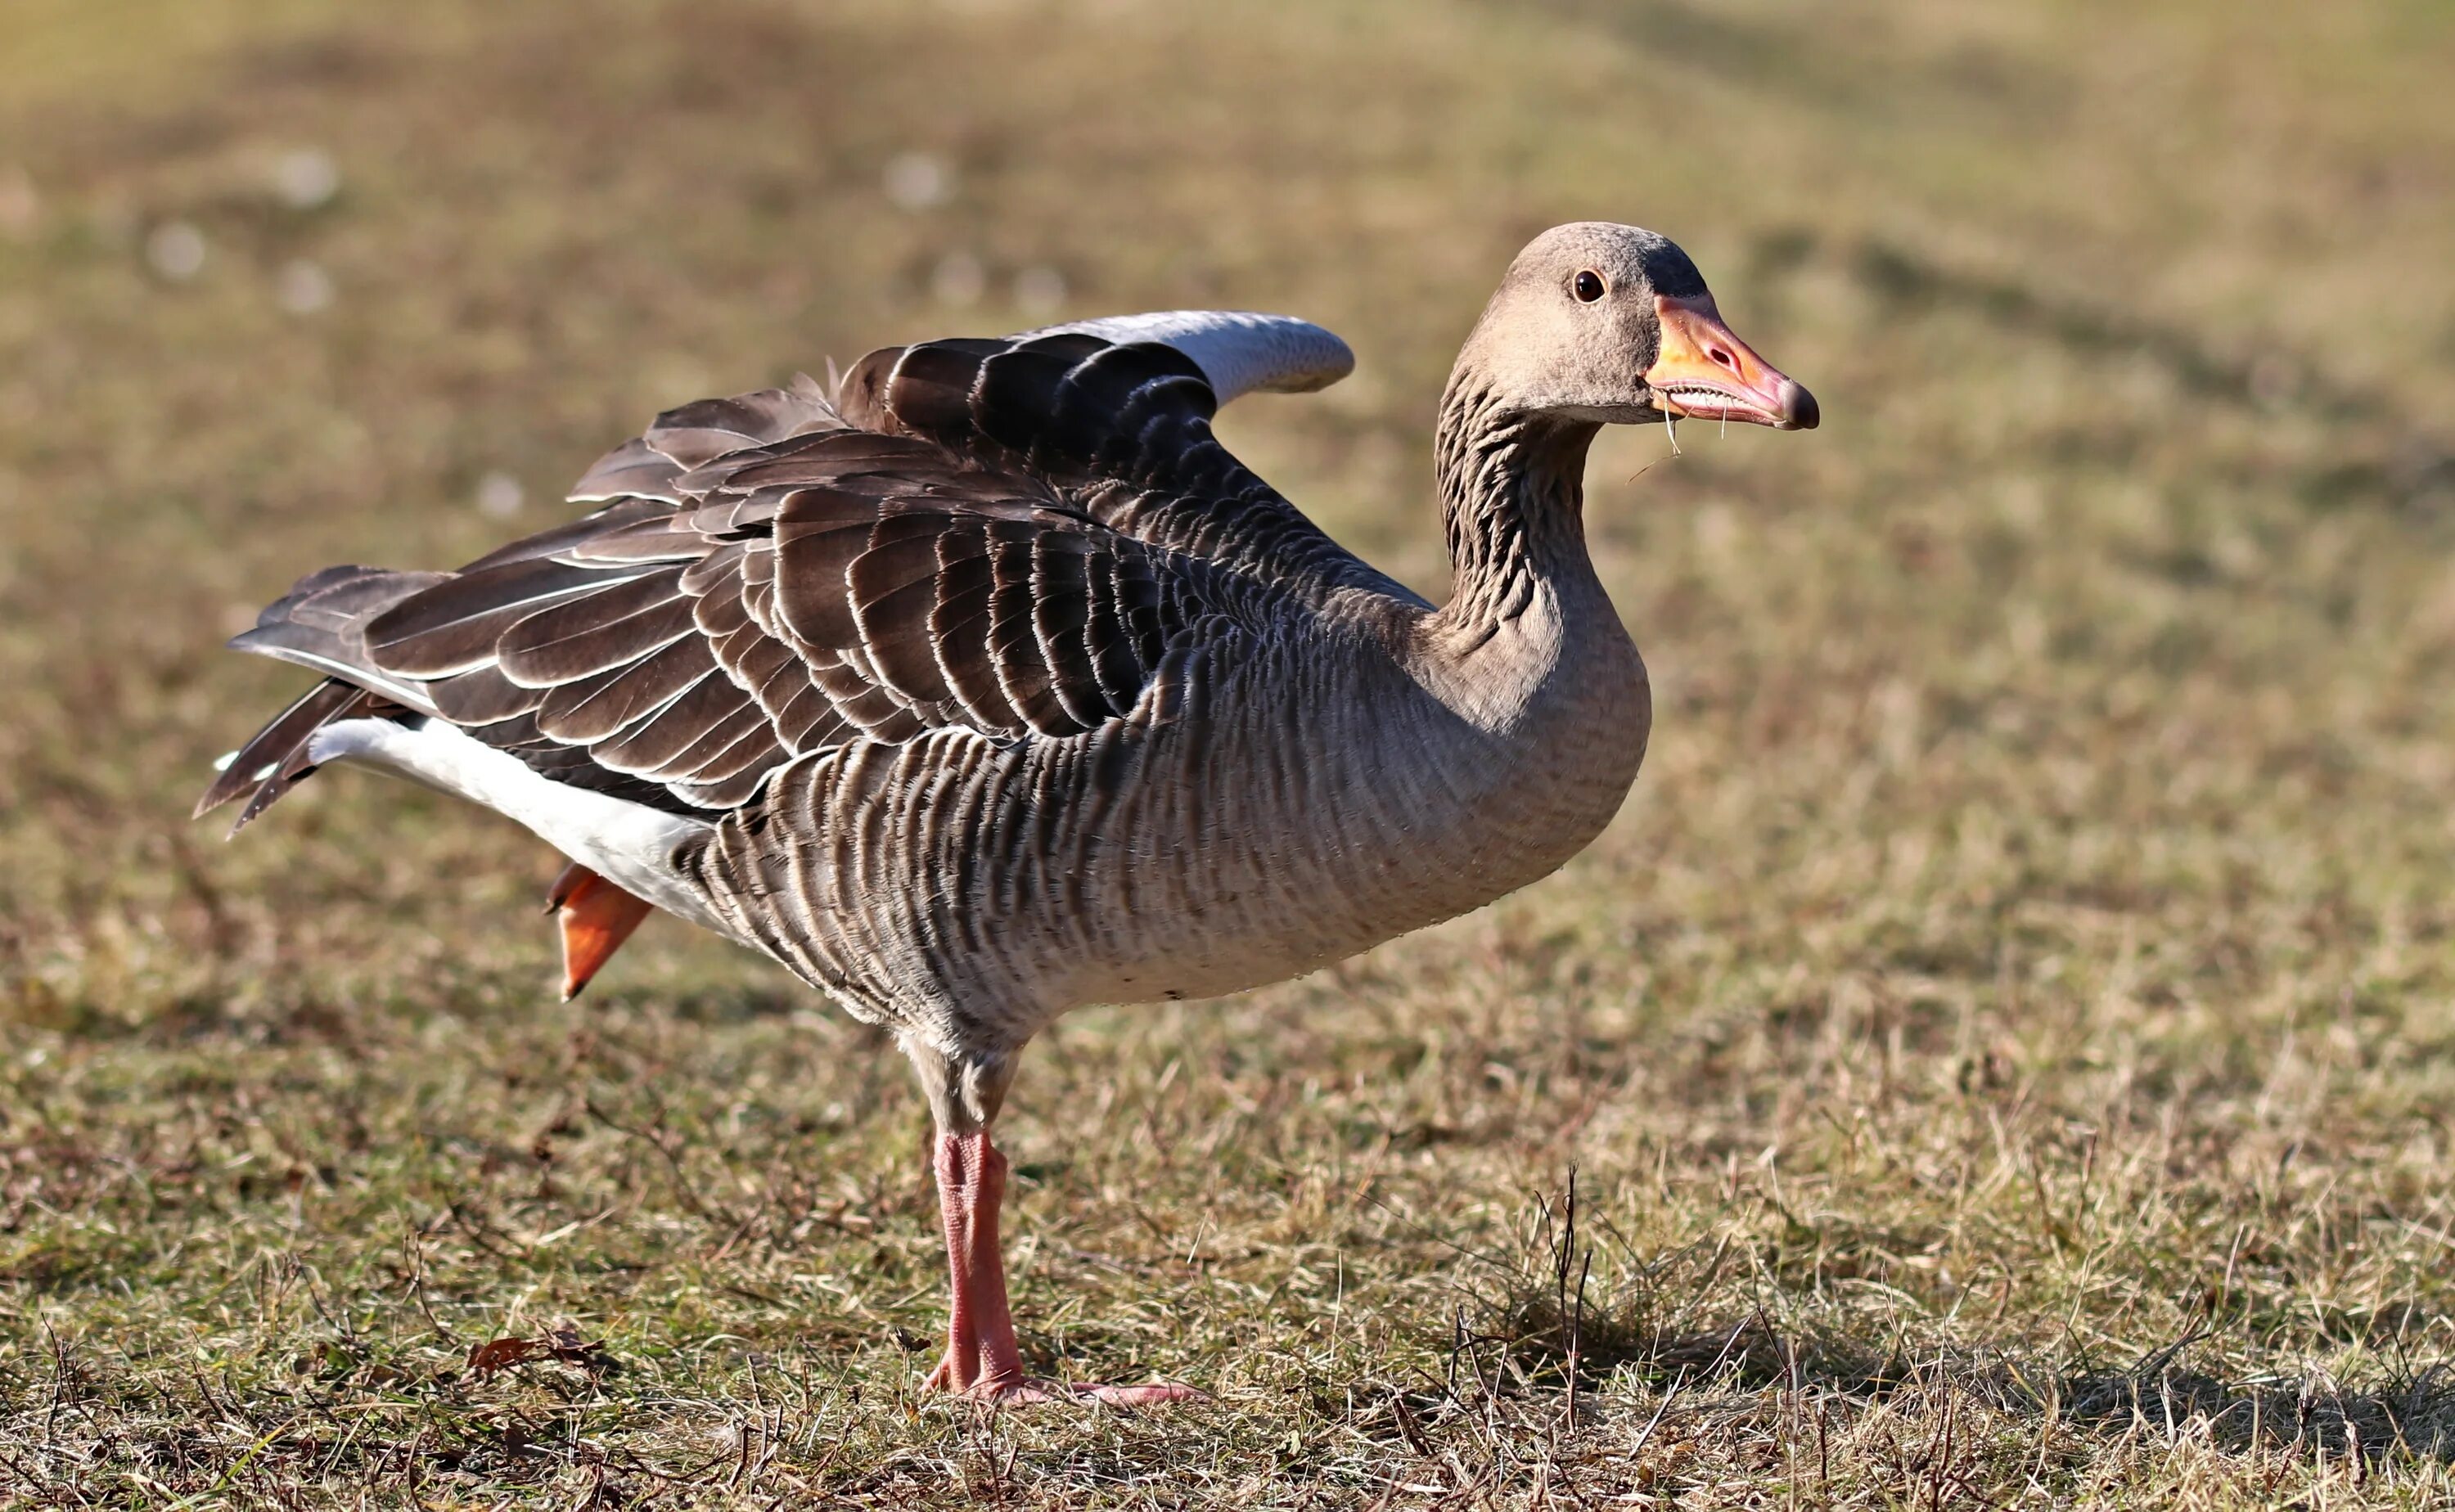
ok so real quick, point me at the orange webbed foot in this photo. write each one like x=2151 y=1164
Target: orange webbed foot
x=596 y=918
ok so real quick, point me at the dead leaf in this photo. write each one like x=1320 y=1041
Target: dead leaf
x=501 y=1354
x=564 y=1345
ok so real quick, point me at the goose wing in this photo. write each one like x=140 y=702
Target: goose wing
x=677 y=646
x=1010 y=535
x=1116 y=415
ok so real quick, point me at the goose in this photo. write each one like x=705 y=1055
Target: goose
x=986 y=684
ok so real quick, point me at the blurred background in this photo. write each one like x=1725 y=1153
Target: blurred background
x=2051 y=754
x=2134 y=326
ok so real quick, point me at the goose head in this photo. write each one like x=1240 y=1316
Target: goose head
x=1613 y=325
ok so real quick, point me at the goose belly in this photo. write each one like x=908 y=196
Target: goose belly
x=970 y=891
x=1305 y=852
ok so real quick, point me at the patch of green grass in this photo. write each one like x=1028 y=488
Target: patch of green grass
x=2004 y=1049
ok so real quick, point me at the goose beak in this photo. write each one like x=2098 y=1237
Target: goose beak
x=1707 y=373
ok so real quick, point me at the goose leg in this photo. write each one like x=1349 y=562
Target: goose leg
x=982 y=1360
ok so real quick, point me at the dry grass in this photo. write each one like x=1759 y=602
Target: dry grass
x=2004 y=1049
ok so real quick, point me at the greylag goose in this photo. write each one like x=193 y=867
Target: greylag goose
x=990 y=685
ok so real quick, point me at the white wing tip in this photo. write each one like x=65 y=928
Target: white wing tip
x=1239 y=351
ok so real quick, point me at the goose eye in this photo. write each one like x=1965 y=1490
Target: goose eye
x=1589 y=286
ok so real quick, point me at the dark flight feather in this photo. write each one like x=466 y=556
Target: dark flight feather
x=1003 y=536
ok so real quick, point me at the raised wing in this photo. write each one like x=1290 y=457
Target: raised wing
x=1122 y=429
x=834 y=585
x=846 y=584
x=1009 y=536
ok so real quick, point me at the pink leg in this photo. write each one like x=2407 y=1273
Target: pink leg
x=982 y=1360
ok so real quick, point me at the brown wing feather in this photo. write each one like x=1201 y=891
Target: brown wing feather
x=770 y=576
x=1122 y=432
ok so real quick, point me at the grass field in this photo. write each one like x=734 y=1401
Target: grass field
x=2004 y=1051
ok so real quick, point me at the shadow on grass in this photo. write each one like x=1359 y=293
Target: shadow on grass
x=2413 y=1411
x=1537 y=1328
x=1527 y=1352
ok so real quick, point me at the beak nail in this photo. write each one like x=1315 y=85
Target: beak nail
x=1798 y=406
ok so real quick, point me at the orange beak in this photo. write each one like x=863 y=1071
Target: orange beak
x=596 y=918
x=1707 y=373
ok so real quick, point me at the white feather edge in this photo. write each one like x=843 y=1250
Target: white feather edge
x=1239 y=351
x=408 y=695
x=629 y=844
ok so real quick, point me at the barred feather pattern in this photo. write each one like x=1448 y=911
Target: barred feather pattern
x=1003 y=688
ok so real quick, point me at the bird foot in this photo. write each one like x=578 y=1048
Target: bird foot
x=596 y=918
x=1019 y=1390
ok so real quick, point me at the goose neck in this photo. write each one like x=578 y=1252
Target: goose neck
x=1513 y=495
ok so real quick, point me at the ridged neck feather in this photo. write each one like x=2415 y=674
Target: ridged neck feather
x=1512 y=503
